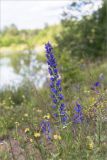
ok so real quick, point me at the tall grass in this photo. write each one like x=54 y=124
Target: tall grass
x=23 y=109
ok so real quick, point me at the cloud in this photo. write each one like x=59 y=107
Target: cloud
x=31 y=14
x=34 y=14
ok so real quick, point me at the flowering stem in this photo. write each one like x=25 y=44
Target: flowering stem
x=55 y=87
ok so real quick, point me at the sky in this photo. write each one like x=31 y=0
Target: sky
x=30 y=14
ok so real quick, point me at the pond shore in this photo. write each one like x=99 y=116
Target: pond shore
x=19 y=49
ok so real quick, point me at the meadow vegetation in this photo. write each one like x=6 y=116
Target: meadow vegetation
x=81 y=57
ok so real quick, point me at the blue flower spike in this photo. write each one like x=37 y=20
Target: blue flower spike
x=78 y=116
x=96 y=86
x=55 y=86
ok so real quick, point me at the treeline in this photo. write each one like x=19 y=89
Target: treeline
x=87 y=36
x=12 y=36
x=81 y=42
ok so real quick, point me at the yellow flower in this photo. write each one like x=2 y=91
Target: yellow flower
x=47 y=116
x=92 y=100
x=27 y=130
x=91 y=145
x=31 y=140
x=57 y=137
x=26 y=115
x=36 y=134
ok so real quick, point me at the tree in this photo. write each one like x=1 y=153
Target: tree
x=12 y=30
x=84 y=35
x=81 y=37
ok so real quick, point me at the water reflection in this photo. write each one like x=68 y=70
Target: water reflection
x=35 y=71
x=7 y=74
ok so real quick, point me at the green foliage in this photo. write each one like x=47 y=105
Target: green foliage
x=85 y=37
x=24 y=108
x=80 y=41
x=70 y=69
x=31 y=38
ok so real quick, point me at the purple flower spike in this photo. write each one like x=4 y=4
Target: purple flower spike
x=58 y=83
x=95 y=87
x=61 y=96
x=55 y=85
x=54 y=107
x=78 y=116
x=64 y=118
x=55 y=115
x=46 y=129
x=78 y=108
x=62 y=107
x=97 y=84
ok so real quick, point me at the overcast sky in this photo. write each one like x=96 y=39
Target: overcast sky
x=28 y=14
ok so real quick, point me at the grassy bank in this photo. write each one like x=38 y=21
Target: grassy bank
x=28 y=39
x=24 y=109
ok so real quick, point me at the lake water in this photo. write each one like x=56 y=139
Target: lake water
x=8 y=77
